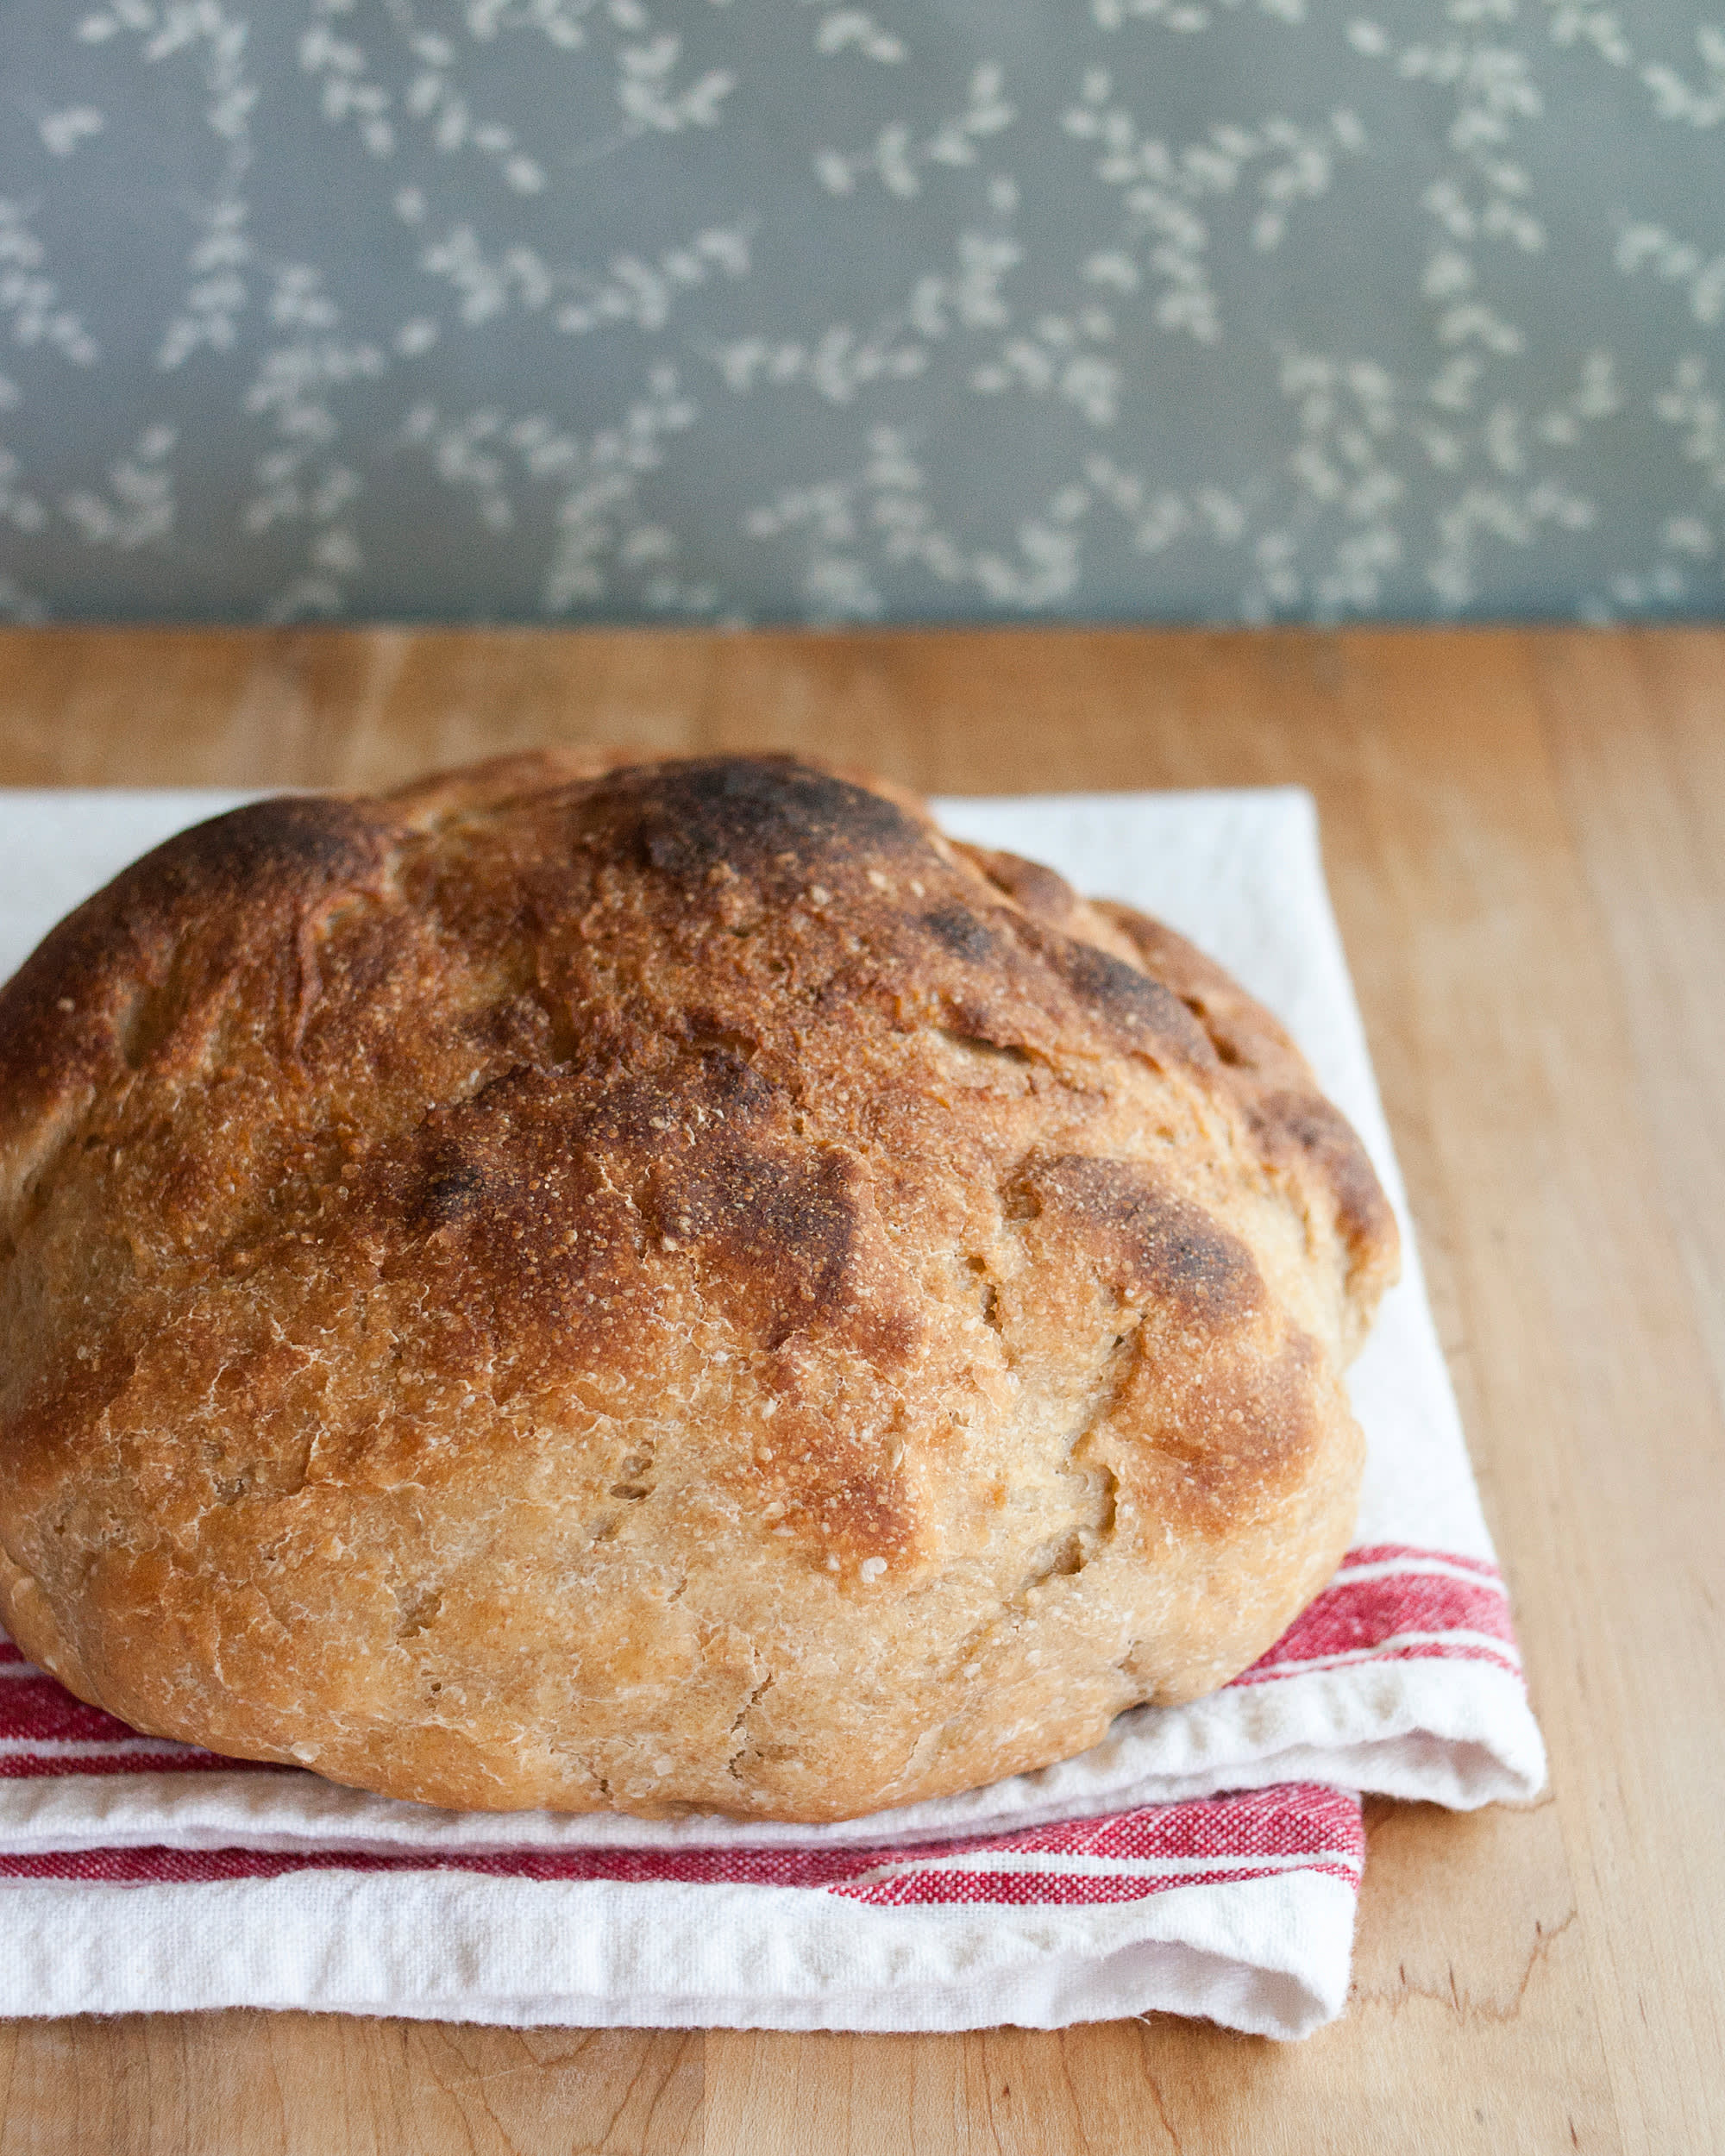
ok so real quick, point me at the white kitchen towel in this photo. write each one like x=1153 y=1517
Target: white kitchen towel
x=1237 y=1907
x=1115 y=1882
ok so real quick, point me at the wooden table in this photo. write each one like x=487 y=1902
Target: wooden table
x=1526 y=839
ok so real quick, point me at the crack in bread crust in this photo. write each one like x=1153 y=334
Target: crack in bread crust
x=592 y=1281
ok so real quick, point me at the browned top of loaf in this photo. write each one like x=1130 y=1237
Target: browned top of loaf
x=398 y=1193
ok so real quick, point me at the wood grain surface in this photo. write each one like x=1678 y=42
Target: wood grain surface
x=1525 y=834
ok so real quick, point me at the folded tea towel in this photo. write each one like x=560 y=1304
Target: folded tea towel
x=1202 y=1859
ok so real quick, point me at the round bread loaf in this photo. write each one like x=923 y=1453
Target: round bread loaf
x=658 y=1285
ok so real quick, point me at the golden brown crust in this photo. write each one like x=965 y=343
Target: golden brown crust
x=1308 y=1140
x=600 y=1282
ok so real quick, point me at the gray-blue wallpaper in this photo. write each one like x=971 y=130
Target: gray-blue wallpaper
x=766 y=309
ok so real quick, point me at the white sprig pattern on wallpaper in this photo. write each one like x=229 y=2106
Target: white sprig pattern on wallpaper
x=732 y=309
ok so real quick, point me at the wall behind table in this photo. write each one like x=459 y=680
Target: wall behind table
x=727 y=309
